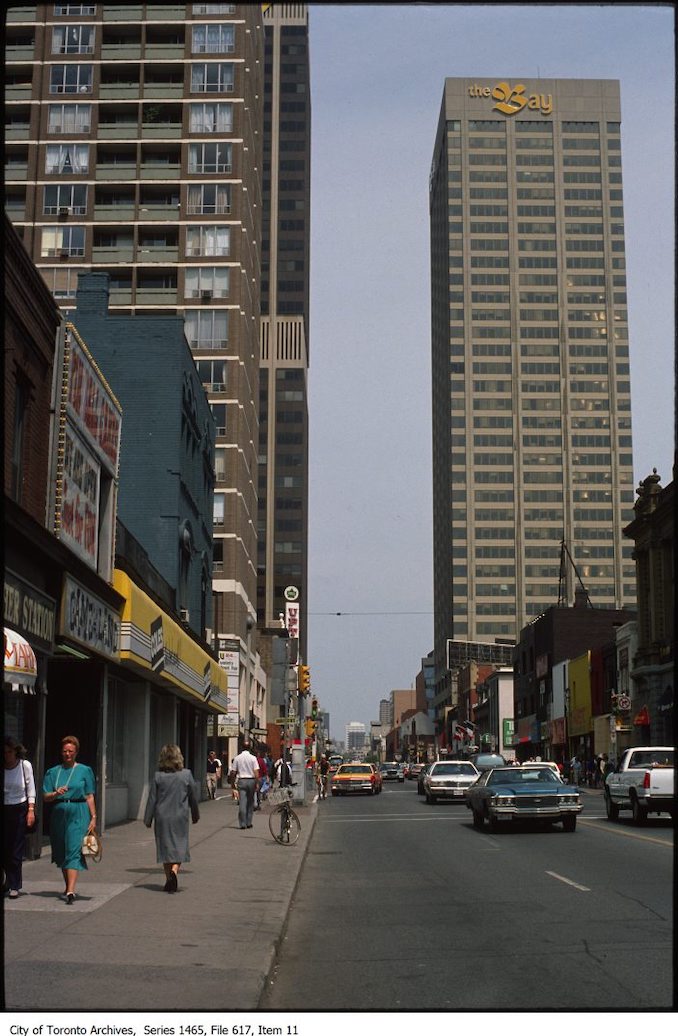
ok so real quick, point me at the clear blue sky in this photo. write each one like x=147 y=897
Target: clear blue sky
x=377 y=83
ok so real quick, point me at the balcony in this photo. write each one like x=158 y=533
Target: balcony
x=16 y=171
x=164 y=91
x=112 y=253
x=161 y=130
x=160 y=171
x=18 y=91
x=121 y=51
x=22 y=14
x=115 y=213
x=120 y=297
x=19 y=52
x=17 y=132
x=168 y=213
x=124 y=13
x=167 y=51
x=116 y=172
x=118 y=91
x=118 y=131
x=165 y=12
x=166 y=254
x=156 y=297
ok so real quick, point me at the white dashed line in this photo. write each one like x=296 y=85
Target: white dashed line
x=582 y=888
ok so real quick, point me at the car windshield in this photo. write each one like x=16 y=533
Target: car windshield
x=514 y=775
x=355 y=769
x=453 y=768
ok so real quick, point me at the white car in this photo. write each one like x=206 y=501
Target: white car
x=449 y=780
x=553 y=767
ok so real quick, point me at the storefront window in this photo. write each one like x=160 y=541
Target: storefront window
x=115 y=733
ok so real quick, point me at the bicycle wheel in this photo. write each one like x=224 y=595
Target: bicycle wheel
x=284 y=825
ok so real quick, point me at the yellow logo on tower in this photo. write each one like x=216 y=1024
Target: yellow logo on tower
x=512 y=99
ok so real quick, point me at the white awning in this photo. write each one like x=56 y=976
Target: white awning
x=20 y=665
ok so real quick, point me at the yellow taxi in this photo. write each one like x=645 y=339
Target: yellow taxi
x=356 y=777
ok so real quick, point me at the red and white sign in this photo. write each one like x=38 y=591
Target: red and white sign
x=292 y=613
x=20 y=665
x=80 y=498
x=92 y=405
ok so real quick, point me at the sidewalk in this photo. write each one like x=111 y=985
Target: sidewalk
x=125 y=944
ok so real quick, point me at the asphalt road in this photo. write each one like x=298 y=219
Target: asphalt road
x=404 y=906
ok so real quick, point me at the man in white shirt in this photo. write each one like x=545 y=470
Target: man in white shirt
x=245 y=770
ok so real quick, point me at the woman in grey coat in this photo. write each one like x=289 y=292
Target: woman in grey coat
x=171 y=798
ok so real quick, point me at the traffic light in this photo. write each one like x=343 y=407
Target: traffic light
x=304 y=679
x=314 y=708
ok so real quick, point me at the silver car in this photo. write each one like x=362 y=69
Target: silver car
x=449 y=780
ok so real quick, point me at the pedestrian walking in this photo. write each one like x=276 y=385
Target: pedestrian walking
x=18 y=814
x=263 y=782
x=575 y=769
x=171 y=799
x=245 y=776
x=283 y=773
x=71 y=787
x=213 y=774
x=599 y=775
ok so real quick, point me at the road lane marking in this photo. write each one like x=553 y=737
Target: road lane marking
x=621 y=831
x=385 y=820
x=582 y=888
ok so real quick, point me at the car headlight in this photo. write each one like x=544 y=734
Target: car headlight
x=504 y=800
x=568 y=800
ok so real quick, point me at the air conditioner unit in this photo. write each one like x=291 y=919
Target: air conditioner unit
x=206 y=294
x=184 y=614
x=64 y=253
x=64 y=210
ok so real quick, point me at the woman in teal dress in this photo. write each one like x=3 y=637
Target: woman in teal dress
x=71 y=788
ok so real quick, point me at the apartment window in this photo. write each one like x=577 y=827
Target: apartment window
x=57 y=241
x=73 y=39
x=219 y=499
x=213 y=8
x=213 y=376
x=70 y=79
x=212 y=78
x=211 y=118
x=62 y=281
x=213 y=39
x=210 y=158
x=75 y=10
x=203 y=280
x=69 y=118
x=206 y=328
x=72 y=197
x=208 y=240
x=208 y=199
x=67 y=158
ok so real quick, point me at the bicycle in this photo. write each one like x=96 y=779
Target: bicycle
x=321 y=782
x=283 y=821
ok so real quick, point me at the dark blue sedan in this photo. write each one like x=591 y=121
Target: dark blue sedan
x=511 y=793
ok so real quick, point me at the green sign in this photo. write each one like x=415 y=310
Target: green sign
x=508 y=732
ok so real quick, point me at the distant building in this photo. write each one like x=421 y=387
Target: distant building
x=355 y=738
x=532 y=437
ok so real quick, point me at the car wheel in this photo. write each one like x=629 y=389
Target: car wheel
x=569 y=823
x=639 y=812
x=334 y=794
x=478 y=820
x=432 y=799
x=611 y=808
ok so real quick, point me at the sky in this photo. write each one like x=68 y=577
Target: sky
x=377 y=77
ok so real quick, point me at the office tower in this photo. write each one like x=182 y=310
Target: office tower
x=355 y=738
x=530 y=355
x=134 y=146
x=283 y=429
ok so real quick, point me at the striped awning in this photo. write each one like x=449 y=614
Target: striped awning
x=20 y=665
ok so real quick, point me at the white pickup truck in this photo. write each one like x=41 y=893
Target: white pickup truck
x=643 y=783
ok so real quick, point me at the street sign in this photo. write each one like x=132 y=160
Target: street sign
x=291 y=593
x=288 y=722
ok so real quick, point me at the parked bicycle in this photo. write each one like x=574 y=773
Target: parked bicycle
x=283 y=821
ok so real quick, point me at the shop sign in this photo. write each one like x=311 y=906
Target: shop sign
x=88 y=620
x=558 y=731
x=292 y=612
x=508 y=732
x=156 y=643
x=30 y=612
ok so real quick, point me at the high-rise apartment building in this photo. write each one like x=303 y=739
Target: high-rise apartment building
x=134 y=146
x=283 y=429
x=530 y=354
